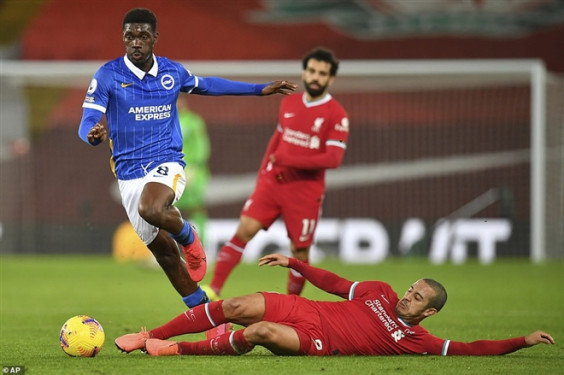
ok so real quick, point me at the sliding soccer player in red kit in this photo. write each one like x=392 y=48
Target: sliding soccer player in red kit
x=370 y=320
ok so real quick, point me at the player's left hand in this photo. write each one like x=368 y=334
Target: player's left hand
x=537 y=338
x=279 y=87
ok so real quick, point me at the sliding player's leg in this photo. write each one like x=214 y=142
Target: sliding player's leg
x=277 y=338
x=243 y=310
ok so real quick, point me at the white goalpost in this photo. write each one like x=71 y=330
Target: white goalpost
x=412 y=87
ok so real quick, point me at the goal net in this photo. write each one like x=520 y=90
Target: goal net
x=446 y=159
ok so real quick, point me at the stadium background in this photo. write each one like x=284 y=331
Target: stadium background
x=57 y=193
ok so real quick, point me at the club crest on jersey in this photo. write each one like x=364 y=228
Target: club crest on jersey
x=93 y=86
x=167 y=81
x=317 y=124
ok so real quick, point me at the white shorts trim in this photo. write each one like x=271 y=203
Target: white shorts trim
x=169 y=174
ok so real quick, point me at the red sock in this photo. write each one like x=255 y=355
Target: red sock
x=199 y=319
x=229 y=256
x=296 y=281
x=230 y=343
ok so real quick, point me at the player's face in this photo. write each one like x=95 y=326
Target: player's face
x=139 y=39
x=413 y=306
x=317 y=78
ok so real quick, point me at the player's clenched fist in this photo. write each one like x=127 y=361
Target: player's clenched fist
x=97 y=134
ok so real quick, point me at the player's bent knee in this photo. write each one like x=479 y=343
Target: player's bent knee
x=149 y=213
x=234 y=308
x=262 y=333
x=248 y=228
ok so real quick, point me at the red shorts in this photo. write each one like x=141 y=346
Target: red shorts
x=300 y=314
x=298 y=203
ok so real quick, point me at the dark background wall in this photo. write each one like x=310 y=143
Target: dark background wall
x=59 y=195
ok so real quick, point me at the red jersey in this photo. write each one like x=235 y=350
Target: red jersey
x=367 y=324
x=310 y=137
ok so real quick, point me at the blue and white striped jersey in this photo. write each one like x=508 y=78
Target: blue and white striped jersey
x=140 y=109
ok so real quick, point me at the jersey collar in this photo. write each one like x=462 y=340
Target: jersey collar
x=138 y=72
x=321 y=101
x=404 y=322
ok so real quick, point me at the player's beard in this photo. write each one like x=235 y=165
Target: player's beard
x=315 y=92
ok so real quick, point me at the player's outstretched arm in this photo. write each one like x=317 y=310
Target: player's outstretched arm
x=322 y=279
x=279 y=87
x=538 y=337
x=499 y=347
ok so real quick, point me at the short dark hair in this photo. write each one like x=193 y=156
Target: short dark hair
x=322 y=54
x=141 y=15
x=440 y=298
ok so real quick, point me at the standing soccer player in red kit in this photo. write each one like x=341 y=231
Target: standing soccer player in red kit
x=311 y=137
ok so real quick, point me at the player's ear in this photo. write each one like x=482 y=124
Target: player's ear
x=156 y=37
x=429 y=312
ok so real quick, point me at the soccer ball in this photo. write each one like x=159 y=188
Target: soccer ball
x=82 y=336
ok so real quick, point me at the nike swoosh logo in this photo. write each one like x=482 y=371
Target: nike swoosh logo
x=124 y=85
x=288 y=115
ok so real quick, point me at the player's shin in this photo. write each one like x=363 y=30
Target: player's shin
x=231 y=343
x=199 y=319
x=229 y=256
x=296 y=281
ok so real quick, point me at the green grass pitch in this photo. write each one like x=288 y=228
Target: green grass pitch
x=39 y=293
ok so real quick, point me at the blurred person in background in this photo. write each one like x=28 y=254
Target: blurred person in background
x=196 y=150
x=137 y=93
x=371 y=320
x=311 y=136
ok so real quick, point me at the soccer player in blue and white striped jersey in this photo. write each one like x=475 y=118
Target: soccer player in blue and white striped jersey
x=137 y=93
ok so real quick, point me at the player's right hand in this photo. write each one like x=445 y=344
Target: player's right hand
x=274 y=260
x=97 y=134
x=279 y=87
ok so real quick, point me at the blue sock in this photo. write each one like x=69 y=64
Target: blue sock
x=198 y=297
x=186 y=235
